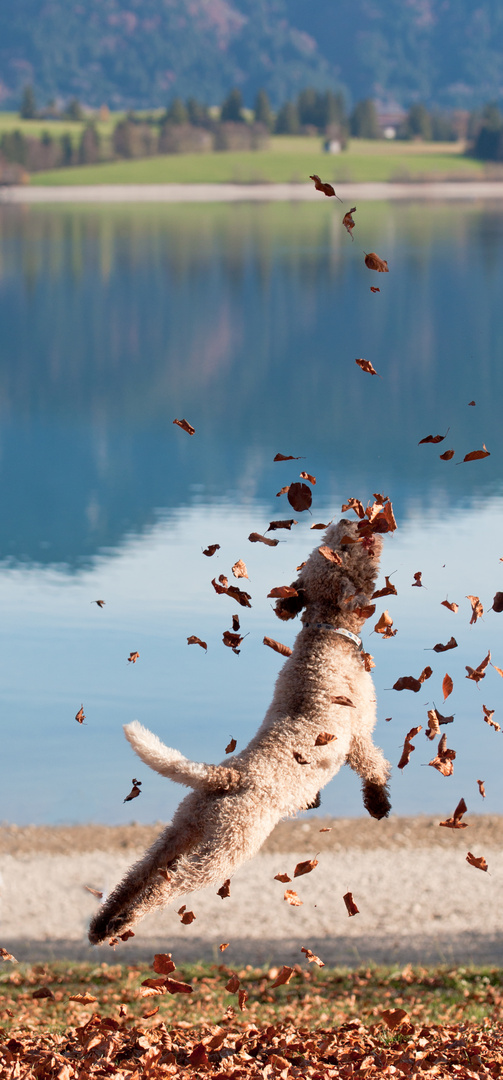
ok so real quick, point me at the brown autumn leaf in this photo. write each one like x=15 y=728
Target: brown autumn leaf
x=307 y=476
x=320 y=525
x=242 y=999
x=393 y=1018
x=498 y=669
x=235 y=623
x=388 y=590
x=225 y=890
x=350 y=904
x=327 y=189
x=311 y=957
x=224 y=581
x=447 y=455
x=193 y=640
x=476 y=455
x=367 y=366
x=283 y=490
x=283 y=977
x=282 y=592
x=175 y=987
x=417 y=583
x=187 y=918
x=367 y=660
x=43 y=992
x=341 y=699
x=231 y=640
x=100 y=603
x=184 y=424
x=478 y=673
x=444 y=759
x=329 y=555
x=381 y=518
x=133 y=657
x=482 y=789
x=257 y=538
x=408 y=747
x=348 y=221
x=210 y=550
x=433 y=438
x=164 y=873
x=300 y=759
x=80 y=717
x=239 y=569
x=353 y=504
x=283 y=523
x=282 y=877
x=479 y=863
x=300 y=497
x=305 y=867
x=163 y=964
x=455 y=822
x=488 y=717
x=152 y=988
x=135 y=790
x=230 y=748
x=435 y=719
x=94 y=892
x=384 y=624
x=224 y=946
x=325 y=830
x=451 y=607
x=447 y=686
x=451 y=644
x=408 y=682
x=472 y=402
x=373 y=262
x=364 y=612
x=82 y=999
x=286 y=457
x=498 y=602
x=292 y=898
x=236 y=594
x=477 y=609
x=198 y=1056
x=374 y=288
x=285 y=650
x=4 y=955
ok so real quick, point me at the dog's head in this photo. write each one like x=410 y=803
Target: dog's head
x=338 y=578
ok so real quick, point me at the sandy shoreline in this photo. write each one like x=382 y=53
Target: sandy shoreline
x=441 y=190
x=419 y=899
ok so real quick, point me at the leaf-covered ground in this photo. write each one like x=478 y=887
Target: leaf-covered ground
x=78 y=1021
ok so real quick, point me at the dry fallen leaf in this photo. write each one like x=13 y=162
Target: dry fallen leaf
x=311 y=957
x=388 y=590
x=366 y=365
x=329 y=555
x=133 y=657
x=307 y=476
x=175 y=987
x=373 y=262
x=488 y=717
x=417 y=583
x=367 y=660
x=184 y=424
x=455 y=822
x=210 y=550
x=285 y=650
x=283 y=490
x=300 y=497
x=282 y=592
x=43 y=992
x=476 y=455
x=236 y=594
x=447 y=686
x=100 y=603
x=163 y=964
x=305 y=867
x=478 y=673
x=384 y=624
x=393 y=1018
x=283 y=977
x=135 y=790
x=224 y=946
x=354 y=504
x=325 y=829
x=498 y=602
x=447 y=456
x=451 y=644
x=187 y=917
x=231 y=640
x=80 y=717
x=284 y=523
x=282 y=877
x=435 y=719
x=230 y=748
x=348 y=222
x=320 y=525
x=82 y=999
x=193 y=640
x=4 y=955
x=286 y=457
x=444 y=759
x=479 y=863
x=374 y=288
x=408 y=682
x=225 y=890
x=239 y=569
x=408 y=747
x=433 y=438
x=94 y=892
x=257 y=538
x=451 y=607
x=300 y=759
x=292 y=898
x=477 y=609
x=327 y=189
x=341 y=699
x=242 y=999
x=482 y=789
x=350 y=904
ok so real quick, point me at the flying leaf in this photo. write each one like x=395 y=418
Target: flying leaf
x=498 y=602
x=300 y=759
x=366 y=365
x=210 y=550
x=285 y=650
x=184 y=424
x=282 y=592
x=435 y=719
x=300 y=497
x=341 y=699
x=80 y=717
x=235 y=622
x=327 y=189
x=388 y=590
x=193 y=640
x=373 y=262
x=393 y=1018
x=292 y=898
x=94 y=892
x=43 y=992
x=374 y=288
x=305 y=867
x=444 y=759
x=284 y=524
x=307 y=476
x=354 y=504
x=408 y=747
x=479 y=863
x=286 y=457
x=224 y=946
x=230 y=748
x=348 y=221
x=133 y=657
x=100 y=603
x=478 y=673
x=476 y=455
x=283 y=977
x=408 y=682
x=135 y=790
x=451 y=607
x=447 y=686
x=350 y=904
x=163 y=964
x=384 y=624
x=417 y=583
x=472 y=402
x=241 y=597
x=482 y=789
x=367 y=660
x=175 y=987
x=451 y=644
x=363 y=612
x=231 y=640
x=320 y=525
x=455 y=822
x=282 y=877
x=488 y=717
x=283 y=490
x=4 y=955
x=447 y=455
x=225 y=890
x=477 y=609
x=187 y=917
x=257 y=538
x=239 y=569
x=82 y=999
x=433 y=438
x=311 y=957
x=242 y=999
x=329 y=555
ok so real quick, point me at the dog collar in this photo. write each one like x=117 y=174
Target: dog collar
x=336 y=630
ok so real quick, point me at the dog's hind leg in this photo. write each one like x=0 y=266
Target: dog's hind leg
x=369 y=762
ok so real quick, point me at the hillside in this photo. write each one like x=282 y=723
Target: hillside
x=141 y=53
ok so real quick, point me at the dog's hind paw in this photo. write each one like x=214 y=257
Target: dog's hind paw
x=376 y=799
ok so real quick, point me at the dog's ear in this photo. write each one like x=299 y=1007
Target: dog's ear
x=291 y=605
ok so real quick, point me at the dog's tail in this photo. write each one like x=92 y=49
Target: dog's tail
x=172 y=763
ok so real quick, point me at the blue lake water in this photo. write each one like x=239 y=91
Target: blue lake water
x=246 y=320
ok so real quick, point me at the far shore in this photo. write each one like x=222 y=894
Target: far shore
x=441 y=190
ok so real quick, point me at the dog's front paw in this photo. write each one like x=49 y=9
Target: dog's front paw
x=376 y=800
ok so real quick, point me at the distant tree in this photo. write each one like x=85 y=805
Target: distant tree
x=123 y=139
x=177 y=113
x=443 y=128
x=287 y=119
x=363 y=120
x=198 y=114
x=417 y=124
x=89 y=146
x=74 y=111
x=232 y=107
x=308 y=107
x=488 y=144
x=66 y=149
x=332 y=109
x=28 y=110
x=14 y=147
x=262 y=110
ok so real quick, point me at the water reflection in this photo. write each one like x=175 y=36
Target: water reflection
x=247 y=320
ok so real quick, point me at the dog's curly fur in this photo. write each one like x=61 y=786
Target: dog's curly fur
x=235 y=805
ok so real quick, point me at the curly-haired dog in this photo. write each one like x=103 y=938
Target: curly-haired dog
x=235 y=805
